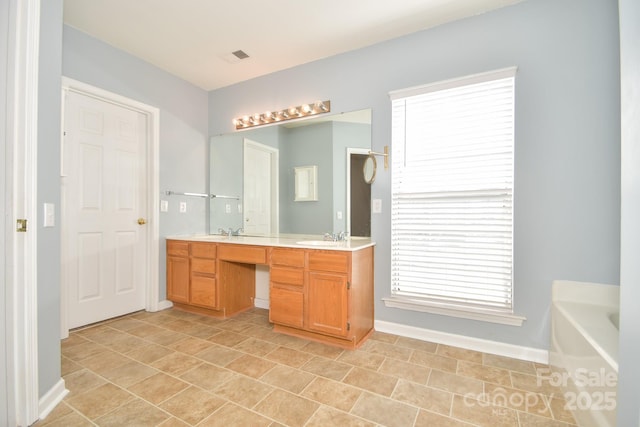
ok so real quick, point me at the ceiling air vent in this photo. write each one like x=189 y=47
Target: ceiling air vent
x=235 y=57
x=240 y=54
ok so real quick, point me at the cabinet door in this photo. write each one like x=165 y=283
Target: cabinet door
x=286 y=306
x=178 y=279
x=204 y=291
x=327 y=307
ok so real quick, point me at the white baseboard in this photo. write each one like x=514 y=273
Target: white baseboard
x=261 y=303
x=51 y=399
x=163 y=305
x=463 y=341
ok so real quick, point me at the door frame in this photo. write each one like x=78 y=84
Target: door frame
x=152 y=114
x=21 y=164
x=350 y=151
x=274 y=155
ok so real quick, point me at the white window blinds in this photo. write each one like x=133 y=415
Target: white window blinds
x=452 y=188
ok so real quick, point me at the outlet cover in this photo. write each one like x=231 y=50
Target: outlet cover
x=183 y=207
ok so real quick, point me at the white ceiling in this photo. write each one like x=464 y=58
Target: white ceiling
x=192 y=38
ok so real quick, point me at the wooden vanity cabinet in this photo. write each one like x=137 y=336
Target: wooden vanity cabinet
x=286 y=287
x=323 y=295
x=178 y=271
x=204 y=290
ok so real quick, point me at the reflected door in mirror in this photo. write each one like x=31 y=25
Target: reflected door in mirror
x=360 y=198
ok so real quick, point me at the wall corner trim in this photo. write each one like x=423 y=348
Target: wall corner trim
x=463 y=341
x=50 y=400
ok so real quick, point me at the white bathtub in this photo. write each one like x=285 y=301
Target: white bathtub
x=584 y=349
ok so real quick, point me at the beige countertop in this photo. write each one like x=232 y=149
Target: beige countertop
x=285 y=240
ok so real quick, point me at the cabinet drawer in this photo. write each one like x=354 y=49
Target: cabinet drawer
x=329 y=261
x=288 y=257
x=289 y=276
x=203 y=291
x=177 y=248
x=286 y=307
x=206 y=266
x=203 y=250
x=242 y=253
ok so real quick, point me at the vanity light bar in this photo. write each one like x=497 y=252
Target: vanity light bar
x=318 y=107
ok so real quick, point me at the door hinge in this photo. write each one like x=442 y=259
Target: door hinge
x=348 y=284
x=21 y=226
x=348 y=326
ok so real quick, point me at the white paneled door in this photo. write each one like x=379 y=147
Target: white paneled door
x=104 y=209
x=260 y=188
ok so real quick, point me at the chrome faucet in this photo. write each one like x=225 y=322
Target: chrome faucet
x=230 y=232
x=336 y=237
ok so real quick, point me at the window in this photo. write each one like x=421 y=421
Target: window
x=452 y=197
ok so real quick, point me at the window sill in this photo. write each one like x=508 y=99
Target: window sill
x=453 y=311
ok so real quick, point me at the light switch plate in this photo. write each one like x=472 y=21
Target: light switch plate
x=164 y=206
x=183 y=207
x=376 y=205
x=49 y=219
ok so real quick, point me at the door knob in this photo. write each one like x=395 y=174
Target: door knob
x=142 y=221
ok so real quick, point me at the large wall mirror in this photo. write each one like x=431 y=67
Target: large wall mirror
x=260 y=171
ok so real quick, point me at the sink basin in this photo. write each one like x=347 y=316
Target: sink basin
x=321 y=243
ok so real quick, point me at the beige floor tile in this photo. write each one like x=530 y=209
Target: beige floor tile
x=199 y=330
x=227 y=338
x=255 y=347
x=149 y=353
x=326 y=416
x=68 y=366
x=129 y=373
x=434 y=361
x=231 y=415
x=288 y=378
x=534 y=383
x=390 y=350
x=477 y=412
x=60 y=411
x=408 y=371
x=243 y=391
x=178 y=325
x=165 y=338
x=559 y=411
x=82 y=381
x=192 y=405
x=82 y=351
x=125 y=323
x=530 y=420
x=520 y=400
x=145 y=330
x=459 y=353
x=191 y=345
x=105 y=361
x=251 y=366
x=233 y=325
x=287 y=340
x=99 y=401
x=72 y=419
x=486 y=373
x=455 y=383
x=372 y=381
x=134 y=413
x=219 y=355
x=430 y=419
x=426 y=346
x=207 y=376
x=508 y=363
x=176 y=363
x=384 y=337
x=362 y=359
x=322 y=350
x=332 y=393
x=287 y=408
x=125 y=342
x=384 y=411
x=289 y=356
x=158 y=388
x=173 y=422
x=424 y=397
x=327 y=368
x=71 y=340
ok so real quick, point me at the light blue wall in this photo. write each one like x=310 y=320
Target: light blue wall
x=184 y=141
x=567 y=213
x=629 y=373
x=48 y=250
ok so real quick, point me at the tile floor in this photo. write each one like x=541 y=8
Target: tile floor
x=173 y=368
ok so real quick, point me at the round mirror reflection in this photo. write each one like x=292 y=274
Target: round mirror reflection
x=369 y=169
